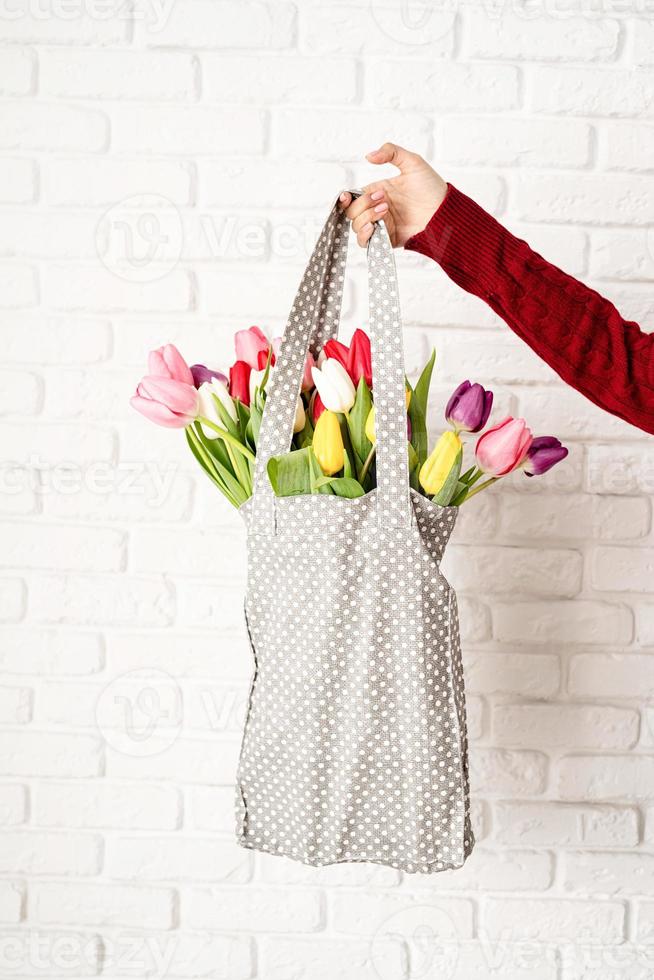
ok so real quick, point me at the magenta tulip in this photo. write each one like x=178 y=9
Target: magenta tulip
x=249 y=343
x=173 y=404
x=503 y=447
x=167 y=362
x=469 y=407
x=544 y=453
x=202 y=374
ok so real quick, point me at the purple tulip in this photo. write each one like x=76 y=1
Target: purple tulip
x=544 y=453
x=469 y=407
x=202 y=373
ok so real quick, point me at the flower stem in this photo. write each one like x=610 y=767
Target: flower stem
x=227 y=437
x=482 y=486
x=209 y=465
x=366 y=466
x=469 y=475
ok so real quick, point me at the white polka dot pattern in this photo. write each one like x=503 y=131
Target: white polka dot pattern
x=355 y=743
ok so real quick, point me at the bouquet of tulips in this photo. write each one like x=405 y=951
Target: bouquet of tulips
x=333 y=449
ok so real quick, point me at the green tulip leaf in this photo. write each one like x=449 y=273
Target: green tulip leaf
x=350 y=460
x=226 y=419
x=259 y=399
x=414 y=468
x=209 y=458
x=317 y=476
x=342 y=486
x=418 y=430
x=447 y=491
x=252 y=431
x=243 y=413
x=357 y=419
x=418 y=410
x=304 y=437
x=421 y=390
x=291 y=474
x=215 y=447
x=459 y=494
x=237 y=462
x=468 y=475
x=203 y=461
x=266 y=373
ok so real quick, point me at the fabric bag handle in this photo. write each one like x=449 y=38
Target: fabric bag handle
x=314 y=318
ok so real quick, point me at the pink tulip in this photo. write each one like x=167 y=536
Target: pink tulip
x=249 y=343
x=167 y=402
x=307 y=377
x=167 y=362
x=503 y=447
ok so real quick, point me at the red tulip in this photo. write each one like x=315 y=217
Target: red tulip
x=356 y=359
x=239 y=381
x=359 y=362
x=262 y=359
x=317 y=407
x=340 y=352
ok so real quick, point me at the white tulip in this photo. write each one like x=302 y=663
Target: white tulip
x=334 y=385
x=300 y=417
x=208 y=408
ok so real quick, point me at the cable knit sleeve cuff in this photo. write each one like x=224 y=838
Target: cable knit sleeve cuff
x=465 y=239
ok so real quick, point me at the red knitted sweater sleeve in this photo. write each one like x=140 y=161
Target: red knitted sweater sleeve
x=578 y=332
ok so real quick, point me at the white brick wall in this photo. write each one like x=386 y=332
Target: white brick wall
x=162 y=177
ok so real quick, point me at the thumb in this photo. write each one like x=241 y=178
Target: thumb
x=392 y=153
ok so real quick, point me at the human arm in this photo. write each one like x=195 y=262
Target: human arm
x=578 y=332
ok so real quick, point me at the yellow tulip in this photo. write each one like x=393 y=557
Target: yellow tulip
x=328 y=443
x=370 y=426
x=434 y=471
x=370 y=421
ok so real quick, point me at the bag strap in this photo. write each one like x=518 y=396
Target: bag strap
x=313 y=319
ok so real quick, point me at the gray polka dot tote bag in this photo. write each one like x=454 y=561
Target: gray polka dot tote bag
x=355 y=744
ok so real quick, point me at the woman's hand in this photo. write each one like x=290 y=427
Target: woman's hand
x=406 y=202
